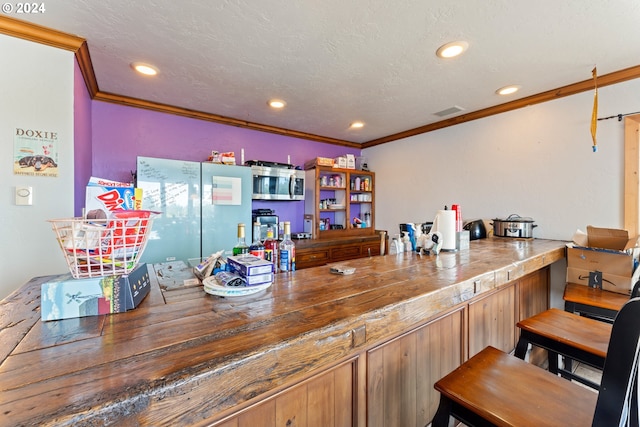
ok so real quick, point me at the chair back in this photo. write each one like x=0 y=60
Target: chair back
x=635 y=292
x=618 y=397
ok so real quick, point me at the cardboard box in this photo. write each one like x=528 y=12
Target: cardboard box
x=351 y=161
x=64 y=297
x=340 y=162
x=610 y=282
x=259 y=279
x=249 y=265
x=318 y=161
x=608 y=251
x=105 y=195
x=610 y=238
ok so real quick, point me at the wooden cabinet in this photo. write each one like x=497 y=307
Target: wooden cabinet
x=325 y=400
x=401 y=372
x=313 y=253
x=336 y=197
x=492 y=317
x=306 y=258
x=533 y=298
x=492 y=320
x=533 y=294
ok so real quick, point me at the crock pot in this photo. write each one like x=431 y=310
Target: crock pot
x=513 y=226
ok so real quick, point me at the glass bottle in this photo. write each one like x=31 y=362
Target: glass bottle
x=287 y=250
x=271 y=248
x=256 y=248
x=241 y=247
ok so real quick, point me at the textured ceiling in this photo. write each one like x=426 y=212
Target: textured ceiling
x=337 y=61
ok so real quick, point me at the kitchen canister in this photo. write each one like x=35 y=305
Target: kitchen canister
x=445 y=223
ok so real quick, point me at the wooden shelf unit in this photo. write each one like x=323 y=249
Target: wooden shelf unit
x=338 y=196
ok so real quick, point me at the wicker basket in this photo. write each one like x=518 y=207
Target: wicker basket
x=104 y=247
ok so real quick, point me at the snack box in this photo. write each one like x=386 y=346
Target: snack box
x=107 y=196
x=609 y=251
x=64 y=297
x=249 y=265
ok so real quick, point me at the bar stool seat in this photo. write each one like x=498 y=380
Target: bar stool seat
x=561 y=333
x=496 y=389
x=591 y=302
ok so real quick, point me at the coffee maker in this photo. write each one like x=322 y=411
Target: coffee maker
x=266 y=218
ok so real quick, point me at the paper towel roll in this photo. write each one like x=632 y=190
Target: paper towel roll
x=445 y=223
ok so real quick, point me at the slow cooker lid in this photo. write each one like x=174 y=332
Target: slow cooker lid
x=515 y=218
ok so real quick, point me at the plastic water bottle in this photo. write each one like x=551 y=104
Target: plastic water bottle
x=287 y=250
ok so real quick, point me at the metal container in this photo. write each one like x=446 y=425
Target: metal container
x=513 y=226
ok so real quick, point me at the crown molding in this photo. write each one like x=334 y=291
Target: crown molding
x=39 y=34
x=179 y=111
x=572 y=89
x=43 y=35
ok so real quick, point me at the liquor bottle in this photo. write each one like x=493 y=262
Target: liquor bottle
x=256 y=248
x=241 y=247
x=287 y=250
x=271 y=248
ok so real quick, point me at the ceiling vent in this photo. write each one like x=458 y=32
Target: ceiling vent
x=452 y=110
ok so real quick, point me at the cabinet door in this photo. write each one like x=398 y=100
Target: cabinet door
x=343 y=252
x=306 y=258
x=370 y=249
x=533 y=297
x=325 y=400
x=401 y=373
x=492 y=320
x=533 y=293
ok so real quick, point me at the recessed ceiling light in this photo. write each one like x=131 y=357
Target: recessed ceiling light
x=356 y=125
x=508 y=90
x=146 y=69
x=452 y=49
x=277 y=103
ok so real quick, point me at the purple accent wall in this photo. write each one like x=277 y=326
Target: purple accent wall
x=82 y=139
x=121 y=133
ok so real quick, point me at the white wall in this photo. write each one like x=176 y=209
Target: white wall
x=536 y=161
x=36 y=92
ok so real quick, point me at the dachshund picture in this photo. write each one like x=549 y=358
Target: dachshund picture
x=38 y=162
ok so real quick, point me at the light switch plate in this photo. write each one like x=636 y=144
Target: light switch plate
x=24 y=196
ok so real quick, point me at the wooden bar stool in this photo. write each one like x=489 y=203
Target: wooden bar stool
x=566 y=334
x=496 y=389
x=595 y=303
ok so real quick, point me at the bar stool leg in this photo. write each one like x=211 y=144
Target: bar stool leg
x=443 y=414
x=521 y=347
x=553 y=362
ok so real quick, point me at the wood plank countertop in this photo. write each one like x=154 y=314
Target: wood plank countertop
x=184 y=357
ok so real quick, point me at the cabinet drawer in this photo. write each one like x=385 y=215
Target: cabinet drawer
x=346 y=252
x=307 y=258
x=371 y=249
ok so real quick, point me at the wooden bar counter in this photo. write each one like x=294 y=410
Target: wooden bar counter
x=313 y=349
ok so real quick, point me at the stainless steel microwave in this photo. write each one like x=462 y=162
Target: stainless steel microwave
x=276 y=183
